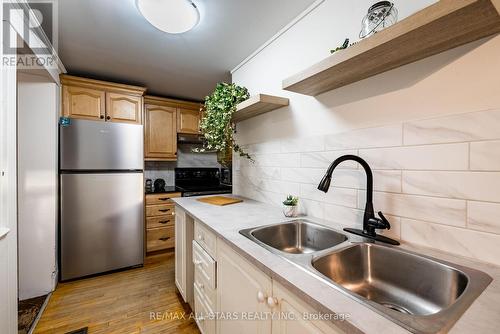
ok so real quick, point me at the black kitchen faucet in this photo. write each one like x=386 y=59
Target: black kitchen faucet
x=370 y=222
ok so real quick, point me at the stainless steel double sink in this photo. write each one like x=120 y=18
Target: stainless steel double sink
x=420 y=293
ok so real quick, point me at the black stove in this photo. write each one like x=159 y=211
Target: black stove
x=200 y=181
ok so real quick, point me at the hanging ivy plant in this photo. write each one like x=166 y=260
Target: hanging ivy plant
x=216 y=124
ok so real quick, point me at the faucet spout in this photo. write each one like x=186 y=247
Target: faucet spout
x=370 y=222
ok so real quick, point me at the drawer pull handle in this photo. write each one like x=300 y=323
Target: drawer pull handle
x=164 y=210
x=164 y=221
x=164 y=198
x=164 y=239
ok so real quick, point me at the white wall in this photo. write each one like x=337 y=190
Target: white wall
x=437 y=194
x=8 y=210
x=37 y=184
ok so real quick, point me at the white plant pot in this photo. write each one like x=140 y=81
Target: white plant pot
x=290 y=211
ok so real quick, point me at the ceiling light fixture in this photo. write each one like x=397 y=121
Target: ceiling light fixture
x=171 y=16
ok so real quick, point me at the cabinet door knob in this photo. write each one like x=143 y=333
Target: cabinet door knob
x=197 y=262
x=108 y=117
x=200 y=237
x=261 y=297
x=272 y=302
x=101 y=117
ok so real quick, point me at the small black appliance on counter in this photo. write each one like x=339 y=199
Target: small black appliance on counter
x=159 y=186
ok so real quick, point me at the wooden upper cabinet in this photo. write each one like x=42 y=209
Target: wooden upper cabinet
x=188 y=120
x=101 y=100
x=86 y=103
x=160 y=131
x=123 y=108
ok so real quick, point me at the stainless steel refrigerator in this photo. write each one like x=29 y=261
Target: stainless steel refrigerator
x=101 y=197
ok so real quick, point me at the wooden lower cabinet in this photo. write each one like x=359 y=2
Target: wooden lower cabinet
x=160 y=222
x=160 y=238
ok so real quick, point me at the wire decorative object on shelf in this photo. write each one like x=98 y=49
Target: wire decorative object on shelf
x=380 y=16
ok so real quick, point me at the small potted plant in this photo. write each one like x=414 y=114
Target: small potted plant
x=290 y=206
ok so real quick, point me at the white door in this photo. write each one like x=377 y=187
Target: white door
x=242 y=290
x=8 y=202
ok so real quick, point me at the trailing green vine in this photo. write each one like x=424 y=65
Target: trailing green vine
x=216 y=125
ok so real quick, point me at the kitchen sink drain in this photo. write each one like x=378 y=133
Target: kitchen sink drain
x=396 y=308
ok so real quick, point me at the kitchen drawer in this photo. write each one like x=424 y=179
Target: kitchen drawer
x=160 y=210
x=160 y=238
x=206 y=239
x=160 y=221
x=205 y=317
x=204 y=264
x=204 y=288
x=161 y=198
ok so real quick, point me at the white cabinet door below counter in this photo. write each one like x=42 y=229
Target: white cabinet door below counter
x=238 y=287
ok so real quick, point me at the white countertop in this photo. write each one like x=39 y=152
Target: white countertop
x=483 y=316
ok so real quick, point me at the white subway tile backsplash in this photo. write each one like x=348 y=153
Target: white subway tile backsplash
x=347 y=217
x=483 y=216
x=267 y=147
x=474 y=126
x=257 y=173
x=312 y=208
x=340 y=196
x=437 y=180
x=481 y=186
x=428 y=157
x=485 y=155
x=302 y=175
x=385 y=136
x=478 y=245
x=277 y=160
x=281 y=187
x=324 y=159
x=308 y=144
x=438 y=210
x=383 y=180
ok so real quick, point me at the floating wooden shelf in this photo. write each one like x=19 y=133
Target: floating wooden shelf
x=258 y=104
x=437 y=28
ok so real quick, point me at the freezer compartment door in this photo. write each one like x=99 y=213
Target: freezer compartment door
x=93 y=145
x=102 y=223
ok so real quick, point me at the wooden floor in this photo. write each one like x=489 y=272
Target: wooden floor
x=120 y=303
